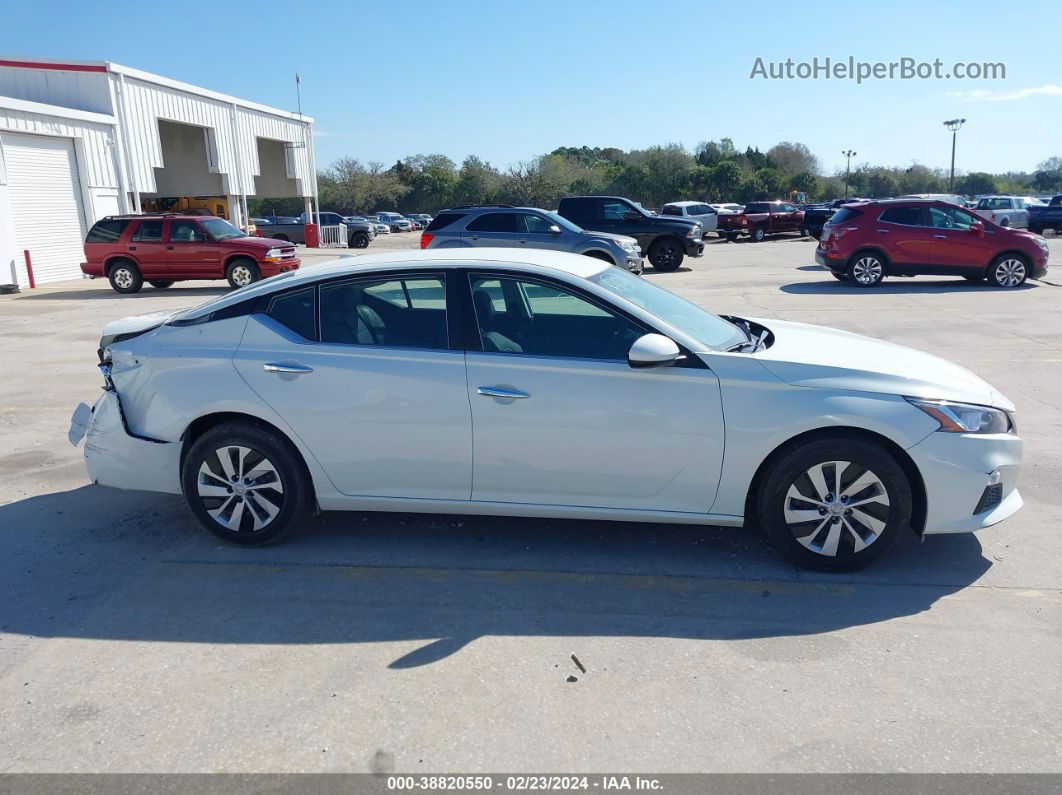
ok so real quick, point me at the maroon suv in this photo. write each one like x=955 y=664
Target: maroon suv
x=163 y=249
x=863 y=243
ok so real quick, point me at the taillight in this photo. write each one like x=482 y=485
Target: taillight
x=744 y=221
x=425 y=239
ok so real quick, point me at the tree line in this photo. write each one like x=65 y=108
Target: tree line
x=715 y=171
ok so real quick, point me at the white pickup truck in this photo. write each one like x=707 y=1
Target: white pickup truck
x=1009 y=211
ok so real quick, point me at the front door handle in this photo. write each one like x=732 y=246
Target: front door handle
x=510 y=394
x=941 y=237
x=287 y=369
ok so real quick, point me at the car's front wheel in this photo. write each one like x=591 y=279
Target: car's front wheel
x=245 y=484
x=866 y=269
x=1008 y=270
x=161 y=284
x=834 y=504
x=666 y=255
x=242 y=272
x=359 y=240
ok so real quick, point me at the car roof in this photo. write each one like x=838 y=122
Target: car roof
x=683 y=204
x=160 y=216
x=549 y=262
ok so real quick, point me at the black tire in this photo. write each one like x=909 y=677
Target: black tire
x=805 y=232
x=1008 y=271
x=866 y=269
x=732 y=237
x=358 y=240
x=1036 y=230
x=125 y=277
x=877 y=522
x=666 y=255
x=161 y=284
x=974 y=278
x=1005 y=223
x=758 y=234
x=841 y=277
x=241 y=272
x=271 y=458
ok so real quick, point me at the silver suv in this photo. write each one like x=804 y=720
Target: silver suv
x=504 y=226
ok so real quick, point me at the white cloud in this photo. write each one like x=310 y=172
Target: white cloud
x=1049 y=90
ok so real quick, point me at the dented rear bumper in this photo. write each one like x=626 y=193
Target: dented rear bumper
x=116 y=457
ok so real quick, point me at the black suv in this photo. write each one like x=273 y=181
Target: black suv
x=666 y=238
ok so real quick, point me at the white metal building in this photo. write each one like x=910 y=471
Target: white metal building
x=82 y=140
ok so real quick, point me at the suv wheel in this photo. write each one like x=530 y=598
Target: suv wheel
x=866 y=269
x=758 y=234
x=161 y=284
x=245 y=484
x=358 y=240
x=666 y=255
x=835 y=504
x=242 y=272
x=125 y=277
x=1008 y=270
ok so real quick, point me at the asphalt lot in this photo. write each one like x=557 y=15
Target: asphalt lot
x=132 y=641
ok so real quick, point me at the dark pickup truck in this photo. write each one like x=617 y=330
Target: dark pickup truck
x=761 y=219
x=666 y=239
x=816 y=215
x=359 y=232
x=1043 y=218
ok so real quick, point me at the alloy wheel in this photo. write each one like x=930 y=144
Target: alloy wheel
x=1010 y=272
x=240 y=489
x=867 y=270
x=123 y=277
x=837 y=507
x=241 y=275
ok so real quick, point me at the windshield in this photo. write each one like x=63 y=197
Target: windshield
x=221 y=230
x=709 y=329
x=561 y=221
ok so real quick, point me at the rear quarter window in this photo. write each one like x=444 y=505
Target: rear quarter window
x=106 y=231
x=443 y=220
x=297 y=312
x=844 y=215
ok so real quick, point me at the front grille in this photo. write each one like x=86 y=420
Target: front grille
x=990 y=498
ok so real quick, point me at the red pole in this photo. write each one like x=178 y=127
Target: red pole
x=29 y=268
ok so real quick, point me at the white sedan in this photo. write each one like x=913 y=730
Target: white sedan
x=538 y=383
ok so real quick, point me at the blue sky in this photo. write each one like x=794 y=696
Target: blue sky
x=511 y=80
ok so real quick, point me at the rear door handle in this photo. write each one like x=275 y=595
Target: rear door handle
x=510 y=394
x=288 y=369
x=941 y=237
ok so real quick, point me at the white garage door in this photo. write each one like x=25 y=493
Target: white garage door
x=46 y=204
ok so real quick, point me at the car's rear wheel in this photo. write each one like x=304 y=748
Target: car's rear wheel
x=161 y=284
x=242 y=272
x=866 y=269
x=1008 y=270
x=731 y=237
x=359 y=240
x=758 y=234
x=245 y=484
x=834 y=504
x=666 y=255
x=841 y=277
x=125 y=277
x=1005 y=223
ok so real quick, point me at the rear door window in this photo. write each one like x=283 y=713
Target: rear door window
x=906 y=216
x=670 y=209
x=148 y=232
x=404 y=313
x=493 y=222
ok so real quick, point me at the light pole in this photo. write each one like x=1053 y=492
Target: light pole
x=849 y=153
x=953 y=125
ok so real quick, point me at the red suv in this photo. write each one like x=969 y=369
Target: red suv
x=163 y=249
x=863 y=243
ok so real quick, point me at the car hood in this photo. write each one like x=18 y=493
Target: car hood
x=612 y=237
x=250 y=241
x=816 y=356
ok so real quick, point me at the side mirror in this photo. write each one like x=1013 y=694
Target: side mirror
x=653 y=350
x=631 y=216
x=978 y=228
x=554 y=229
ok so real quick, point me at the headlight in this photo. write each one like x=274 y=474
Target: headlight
x=1041 y=243
x=965 y=417
x=695 y=231
x=273 y=252
x=627 y=246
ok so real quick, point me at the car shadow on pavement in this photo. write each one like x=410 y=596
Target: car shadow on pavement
x=900 y=286
x=103 y=564
x=51 y=294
